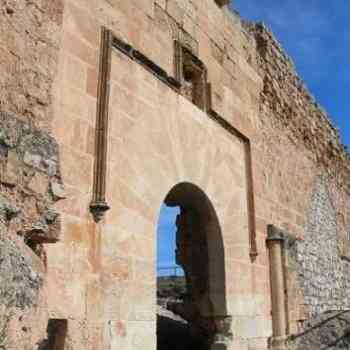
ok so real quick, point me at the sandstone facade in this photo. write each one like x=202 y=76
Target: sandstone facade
x=186 y=104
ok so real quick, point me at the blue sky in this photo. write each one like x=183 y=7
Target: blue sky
x=166 y=234
x=316 y=35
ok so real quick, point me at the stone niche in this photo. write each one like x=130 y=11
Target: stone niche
x=192 y=74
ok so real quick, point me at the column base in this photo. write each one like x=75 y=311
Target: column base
x=278 y=343
x=221 y=345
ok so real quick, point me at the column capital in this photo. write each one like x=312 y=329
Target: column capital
x=275 y=234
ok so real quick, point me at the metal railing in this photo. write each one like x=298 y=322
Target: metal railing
x=170 y=271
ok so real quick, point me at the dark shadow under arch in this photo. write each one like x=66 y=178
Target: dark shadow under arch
x=200 y=252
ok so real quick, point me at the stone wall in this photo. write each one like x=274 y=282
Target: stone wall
x=100 y=276
x=289 y=105
x=28 y=57
x=30 y=179
x=315 y=212
x=317 y=274
x=157 y=139
x=319 y=256
x=30 y=183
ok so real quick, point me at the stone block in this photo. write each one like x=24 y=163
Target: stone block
x=12 y=169
x=57 y=190
x=7 y=210
x=146 y=6
x=76 y=68
x=81 y=22
x=39 y=183
x=74 y=45
x=91 y=82
x=175 y=11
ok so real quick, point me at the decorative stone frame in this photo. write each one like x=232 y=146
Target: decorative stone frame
x=98 y=205
x=183 y=56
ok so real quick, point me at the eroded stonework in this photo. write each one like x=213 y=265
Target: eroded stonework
x=84 y=285
x=326 y=268
x=29 y=180
x=317 y=261
x=28 y=57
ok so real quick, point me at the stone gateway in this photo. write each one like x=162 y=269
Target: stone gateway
x=109 y=108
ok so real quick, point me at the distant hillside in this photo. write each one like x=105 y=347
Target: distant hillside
x=171 y=286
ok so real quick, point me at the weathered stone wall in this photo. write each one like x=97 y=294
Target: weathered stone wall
x=291 y=107
x=315 y=213
x=319 y=256
x=30 y=183
x=316 y=271
x=100 y=276
x=30 y=180
x=28 y=57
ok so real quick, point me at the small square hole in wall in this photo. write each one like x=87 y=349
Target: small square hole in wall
x=192 y=75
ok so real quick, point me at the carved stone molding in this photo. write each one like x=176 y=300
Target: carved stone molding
x=147 y=63
x=253 y=250
x=99 y=205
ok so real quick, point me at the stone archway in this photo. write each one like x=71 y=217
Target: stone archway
x=200 y=252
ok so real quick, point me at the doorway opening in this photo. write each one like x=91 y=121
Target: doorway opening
x=194 y=316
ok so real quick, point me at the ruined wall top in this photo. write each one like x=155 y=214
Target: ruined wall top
x=287 y=102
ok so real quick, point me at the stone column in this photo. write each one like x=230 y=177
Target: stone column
x=275 y=242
